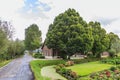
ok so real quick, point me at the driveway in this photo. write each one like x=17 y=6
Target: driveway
x=18 y=69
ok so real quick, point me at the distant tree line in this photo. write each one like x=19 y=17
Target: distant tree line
x=9 y=48
x=70 y=34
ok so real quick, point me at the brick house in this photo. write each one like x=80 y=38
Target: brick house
x=49 y=53
x=105 y=54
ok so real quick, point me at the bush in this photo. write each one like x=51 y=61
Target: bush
x=112 y=52
x=111 y=74
x=115 y=61
x=67 y=73
x=38 y=55
x=113 y=68
x=79 y=61
x=69 y=63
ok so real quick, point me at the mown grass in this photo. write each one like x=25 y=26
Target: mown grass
x=37 y=65
x=3 y=63
x=87 y=68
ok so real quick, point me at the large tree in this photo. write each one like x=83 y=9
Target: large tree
x=69 y=34
x=7 y=28
x=114 y=42
x=6 y=32
x=15 y=48
x=113 y=39
x=101 y=39
x=3 y=41
x=32 y=37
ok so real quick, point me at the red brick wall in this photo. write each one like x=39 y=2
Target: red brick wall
x=47 y=51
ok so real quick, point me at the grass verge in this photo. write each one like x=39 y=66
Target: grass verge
x=3 y=63
x=37 y=65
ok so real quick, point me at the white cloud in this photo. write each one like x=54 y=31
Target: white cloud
x=114 y=27
x=88 y=9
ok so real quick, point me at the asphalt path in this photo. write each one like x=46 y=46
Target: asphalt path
x=18 y=69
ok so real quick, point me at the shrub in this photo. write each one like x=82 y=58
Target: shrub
x=61 y=65
x=79 y=61
x=112 y=52
x=38 y=55
x=69 y=63
x=67 y=73
x=115 y=61
x=113 y=68
x=110 y=74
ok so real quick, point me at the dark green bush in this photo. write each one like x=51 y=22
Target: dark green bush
x=115 y=61
x=38 y=55
x=113 y=68
x=79 y=61
x=112 y=52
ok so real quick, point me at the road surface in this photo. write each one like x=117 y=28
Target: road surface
x=18 y=69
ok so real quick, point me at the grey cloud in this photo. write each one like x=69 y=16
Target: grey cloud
x=106 y=21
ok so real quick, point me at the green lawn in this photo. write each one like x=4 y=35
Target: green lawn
x=3 y=63
x=87 y=68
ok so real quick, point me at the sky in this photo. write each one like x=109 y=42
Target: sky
x=23 y=13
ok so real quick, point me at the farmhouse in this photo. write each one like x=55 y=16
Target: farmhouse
x=49 y=53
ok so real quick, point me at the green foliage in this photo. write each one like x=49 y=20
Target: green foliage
x=38 y=55
x=113 y=38
x=3 y=63
x=9 y=48
x=79 y=61
x=116 y=46
x=32 y=37
x=110 y=74
x=112 y=52
x=3 y=41
x=15 y=48
x=69 y=34
x=37 y=65
x=115 y=61
x=101 y=39
x=67 y=73
x=113 y=68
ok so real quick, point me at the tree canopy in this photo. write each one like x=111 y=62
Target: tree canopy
x=69 y=34
x=101 y=39
x=8 y=47
x=32 y=37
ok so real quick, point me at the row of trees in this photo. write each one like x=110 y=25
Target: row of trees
x=70 y=34
x=9 y=48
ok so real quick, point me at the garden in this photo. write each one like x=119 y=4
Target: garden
x=77 y=69
x=68 y=35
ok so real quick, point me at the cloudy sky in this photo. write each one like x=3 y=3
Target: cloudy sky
x=22 y=13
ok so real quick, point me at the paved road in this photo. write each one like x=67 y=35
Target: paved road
x=18 y=69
